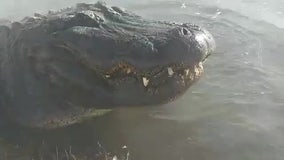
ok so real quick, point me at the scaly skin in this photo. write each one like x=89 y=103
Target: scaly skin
x=59 y=68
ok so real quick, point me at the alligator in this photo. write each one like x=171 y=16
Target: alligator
x=69 y=65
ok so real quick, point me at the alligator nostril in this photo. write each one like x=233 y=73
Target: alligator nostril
x=184 y=31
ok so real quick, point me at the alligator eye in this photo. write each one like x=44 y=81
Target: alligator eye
x=184 y=31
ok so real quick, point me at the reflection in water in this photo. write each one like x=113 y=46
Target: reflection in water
x=234 y=112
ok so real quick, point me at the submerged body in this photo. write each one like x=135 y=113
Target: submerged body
x=59 y=68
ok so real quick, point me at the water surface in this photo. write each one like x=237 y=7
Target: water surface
x=235 y=111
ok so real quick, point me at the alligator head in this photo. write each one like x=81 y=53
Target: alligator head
x=94 y=56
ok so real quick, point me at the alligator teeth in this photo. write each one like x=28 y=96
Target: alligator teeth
x=128 y=71
x=145 y=81
x=182 y=80
x=186 y=72
x=170 y=71
x=200 y=65
x=107 y=76
x=196 y=70
x=192 y=77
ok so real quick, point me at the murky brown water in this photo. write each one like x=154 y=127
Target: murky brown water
x=235 y=112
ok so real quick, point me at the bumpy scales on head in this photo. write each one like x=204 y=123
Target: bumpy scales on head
x=60 y=68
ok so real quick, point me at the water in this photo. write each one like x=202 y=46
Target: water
x=234 y=112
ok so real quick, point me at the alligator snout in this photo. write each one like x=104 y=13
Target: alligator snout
x=206 y=43
x=188 y=44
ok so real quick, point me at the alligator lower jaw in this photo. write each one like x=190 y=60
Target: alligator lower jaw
x=164 y=84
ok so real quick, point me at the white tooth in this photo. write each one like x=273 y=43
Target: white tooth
x=107 y=76
x=128 y=71
x=191 y=77
x=196 y=70
x=170 y=71
x=145 y=81
x=182 y=80
x=200 y=65
x=186 y=72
